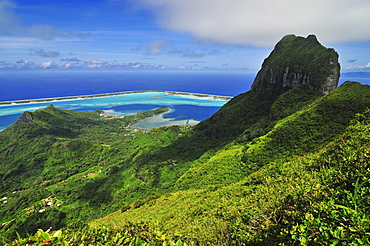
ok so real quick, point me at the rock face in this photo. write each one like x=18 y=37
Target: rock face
x=297 y=60
x=26 y=117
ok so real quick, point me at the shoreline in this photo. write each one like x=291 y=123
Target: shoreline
x=168 y=93
x=159 y=121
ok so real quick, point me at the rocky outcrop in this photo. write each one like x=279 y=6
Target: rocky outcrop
x=26 y=117
x=298 y=60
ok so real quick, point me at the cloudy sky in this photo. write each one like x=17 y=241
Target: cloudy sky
x=175 y=34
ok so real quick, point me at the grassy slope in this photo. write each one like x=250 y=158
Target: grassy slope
x=50 y=157
x=211 y=185
x=215 y=207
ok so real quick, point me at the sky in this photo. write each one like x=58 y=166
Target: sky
x=175 y=34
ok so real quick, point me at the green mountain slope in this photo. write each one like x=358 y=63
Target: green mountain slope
x=228 y=200
x=60 y=155
x=239 y=192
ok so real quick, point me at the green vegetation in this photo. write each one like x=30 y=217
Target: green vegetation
x=281 y=164
x=131 y=234
x=61 y=156
x=274 y=166
x=264 y=192
x=288 y=170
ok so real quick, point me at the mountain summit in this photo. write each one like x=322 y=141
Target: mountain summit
x=297 y=60
x=299 y=65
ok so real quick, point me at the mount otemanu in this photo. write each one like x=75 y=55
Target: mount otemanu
x=295 y=61
x=285 y=163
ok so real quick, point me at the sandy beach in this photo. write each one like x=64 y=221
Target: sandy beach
x=159 y=121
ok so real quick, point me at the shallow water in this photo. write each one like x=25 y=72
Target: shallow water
x=22 y=85
x=190 y=108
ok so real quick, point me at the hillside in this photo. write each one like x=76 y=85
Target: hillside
x=251 y=192
x=60 y=155
x=288 y=168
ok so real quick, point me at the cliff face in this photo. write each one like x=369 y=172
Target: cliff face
x=294 y=61
x=297 y=60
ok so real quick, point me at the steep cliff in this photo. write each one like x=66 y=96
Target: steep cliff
x=297 y=60
x=297 y=63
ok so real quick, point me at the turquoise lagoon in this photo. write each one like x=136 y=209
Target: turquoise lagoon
x=185 y=108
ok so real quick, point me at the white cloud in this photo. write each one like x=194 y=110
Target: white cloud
x=156 y=47
x=360 y=67
x=66 y=65
x=137 y=65
x=47 y=64
x=25 y=64
x=96 y=64
x=264 y=22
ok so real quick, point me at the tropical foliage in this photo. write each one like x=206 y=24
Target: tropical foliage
x=291 y=169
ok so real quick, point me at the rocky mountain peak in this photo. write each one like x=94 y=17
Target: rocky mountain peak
x=26 y=117
x=297 y=60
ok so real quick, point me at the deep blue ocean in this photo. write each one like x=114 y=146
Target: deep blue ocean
x=40 y=84
x=21 y=85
